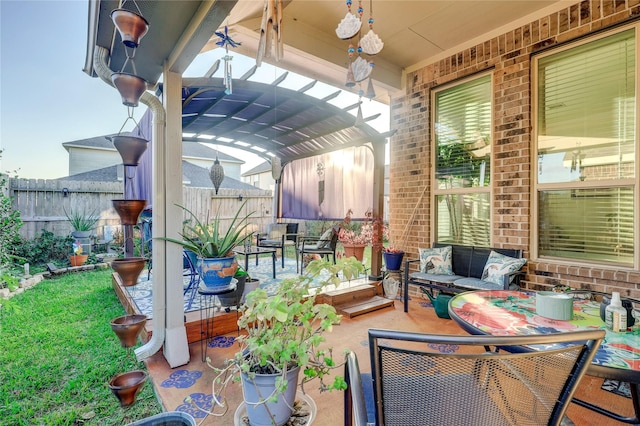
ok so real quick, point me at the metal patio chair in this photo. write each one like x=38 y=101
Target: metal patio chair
x=430 y=379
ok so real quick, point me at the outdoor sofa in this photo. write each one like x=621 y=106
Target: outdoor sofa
x=452 y=268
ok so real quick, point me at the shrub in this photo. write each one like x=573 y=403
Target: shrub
x=45 y=248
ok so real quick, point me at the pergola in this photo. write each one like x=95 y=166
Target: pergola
x=287 y=125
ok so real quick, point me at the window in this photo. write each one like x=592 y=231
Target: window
x=585 y=144
x=462 y=141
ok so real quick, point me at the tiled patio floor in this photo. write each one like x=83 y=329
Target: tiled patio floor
x=194 y=379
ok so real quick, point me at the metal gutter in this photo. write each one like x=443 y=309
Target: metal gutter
x=100 y=58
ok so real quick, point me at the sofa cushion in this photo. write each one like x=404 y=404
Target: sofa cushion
x=477 y=284
x=435 y=278
x=436 y=260
x=498 y=265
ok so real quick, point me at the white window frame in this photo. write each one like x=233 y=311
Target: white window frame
x=536 y=187
x=435 y=191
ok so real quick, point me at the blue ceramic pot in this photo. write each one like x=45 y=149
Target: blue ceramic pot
x=217 y=271
x=393 y=260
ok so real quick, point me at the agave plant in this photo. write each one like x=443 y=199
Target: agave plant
x=207 y=240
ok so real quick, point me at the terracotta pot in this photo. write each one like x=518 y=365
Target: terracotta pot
x=129 y=210
x=125 y=386
x=129 y=269
x=354 y=250
x=78 y=259
x=128 y=327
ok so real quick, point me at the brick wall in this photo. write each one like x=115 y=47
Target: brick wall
x=508 y=57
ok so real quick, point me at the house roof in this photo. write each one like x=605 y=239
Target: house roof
x=260 y=168
x=189 y=149
x=192 y=176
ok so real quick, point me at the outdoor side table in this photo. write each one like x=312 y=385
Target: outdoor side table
x=207 y=305
x=257 y=251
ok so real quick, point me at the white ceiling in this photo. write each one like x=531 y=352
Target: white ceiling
x=413 y=32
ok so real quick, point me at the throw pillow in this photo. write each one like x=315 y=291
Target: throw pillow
x=277 y=230
x=498 y=265
x=436 y=260
x=325 y=239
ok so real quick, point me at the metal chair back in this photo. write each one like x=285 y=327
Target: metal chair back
x=493 y=380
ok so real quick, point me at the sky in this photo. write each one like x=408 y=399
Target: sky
x=46 y=99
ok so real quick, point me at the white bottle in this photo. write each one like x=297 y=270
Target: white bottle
x=615 y=315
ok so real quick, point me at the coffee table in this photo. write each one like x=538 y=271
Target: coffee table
x=514 y=313
x=257 y=251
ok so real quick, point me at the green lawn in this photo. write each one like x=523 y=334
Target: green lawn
x=57 y=353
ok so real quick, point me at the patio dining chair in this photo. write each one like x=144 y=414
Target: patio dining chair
x=190 y=270
x=430 y=379
x=279 y=236
x=324 y=246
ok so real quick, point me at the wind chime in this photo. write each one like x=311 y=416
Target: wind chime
x=359 y=68
x=216 y=173
x=226 y=42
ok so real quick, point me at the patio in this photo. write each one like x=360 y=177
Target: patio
x=194 y=380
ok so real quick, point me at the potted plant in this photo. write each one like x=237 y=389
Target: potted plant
x=392 y=257
x=235 y=298
x=355 y=236
x=282 y=337
x=81 y=222
x=77 y=258
x=214 y=248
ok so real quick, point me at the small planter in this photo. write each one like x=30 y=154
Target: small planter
x=81 y=234
x=249 y=286
x=125 y=386
x=129 y=269
x=234 y=298
x=217 y=271
x=128 y=327
x=354 y=250
x=259 y=388
x=78 y=259
x=170 y=418
x=393 y=261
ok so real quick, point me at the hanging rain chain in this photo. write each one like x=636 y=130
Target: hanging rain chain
x=226 y=42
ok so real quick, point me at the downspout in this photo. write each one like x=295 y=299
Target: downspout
x=100 y=58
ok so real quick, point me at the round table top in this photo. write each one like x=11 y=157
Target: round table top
x=504 y=313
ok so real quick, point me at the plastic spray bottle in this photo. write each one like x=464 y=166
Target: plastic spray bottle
x=615 y=315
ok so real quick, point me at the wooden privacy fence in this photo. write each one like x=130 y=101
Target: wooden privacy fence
x=202 y=203
x=42 y=204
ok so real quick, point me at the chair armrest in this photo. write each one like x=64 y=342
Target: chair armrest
x=355 y=408
x=512 y=278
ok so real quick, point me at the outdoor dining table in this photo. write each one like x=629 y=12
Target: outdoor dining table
x=504 y=313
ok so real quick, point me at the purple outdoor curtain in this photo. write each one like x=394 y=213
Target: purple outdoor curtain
x=345 y=182
x=140 y=187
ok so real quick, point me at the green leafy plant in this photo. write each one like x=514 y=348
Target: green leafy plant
x=10 y=224
x=81 y=221
x=207 y=240
x=44 y=248
x=286 y=330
